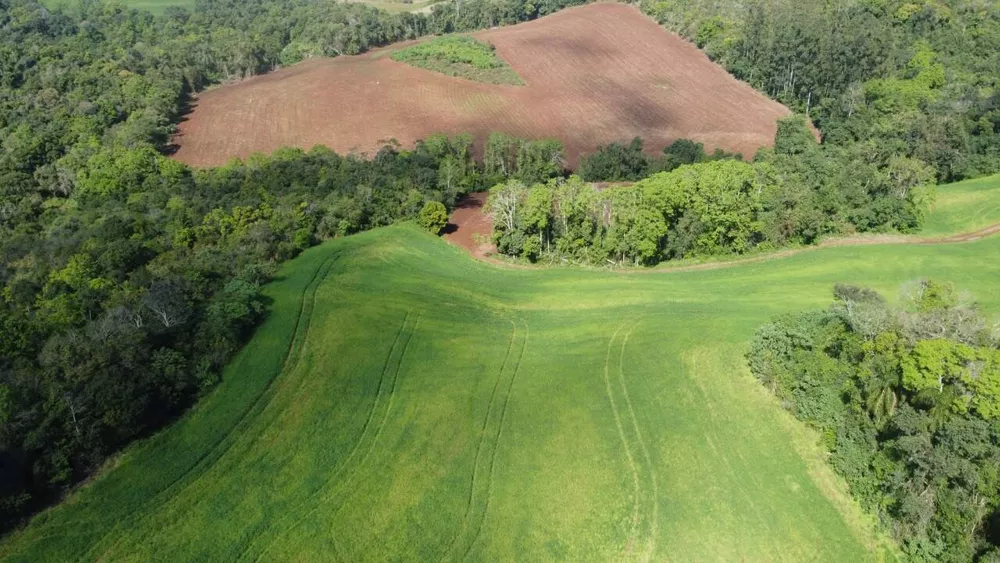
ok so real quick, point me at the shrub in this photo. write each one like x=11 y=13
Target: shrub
x=433 y=217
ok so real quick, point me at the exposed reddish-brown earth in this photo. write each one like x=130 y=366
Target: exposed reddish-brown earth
x=470 y=227
x=593 y=74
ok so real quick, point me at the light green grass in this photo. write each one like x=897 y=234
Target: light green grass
x=965 y=206
x=461 y=56
x=406 y=402
x=154 y=6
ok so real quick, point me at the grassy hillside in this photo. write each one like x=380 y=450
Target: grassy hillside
x=965 y=206
x=404 y=401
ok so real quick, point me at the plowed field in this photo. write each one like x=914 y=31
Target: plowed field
x=594 y=74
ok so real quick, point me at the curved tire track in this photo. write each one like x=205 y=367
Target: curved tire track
x=641 y=486
x=470 y=505
x=219 y=448
x=654 y=514
x=491 y=475
x=292 y=512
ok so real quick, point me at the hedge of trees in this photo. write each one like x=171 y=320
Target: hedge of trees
x=907 y=400
x=716 y=205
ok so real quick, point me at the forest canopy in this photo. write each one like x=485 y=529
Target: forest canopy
x=907 y=400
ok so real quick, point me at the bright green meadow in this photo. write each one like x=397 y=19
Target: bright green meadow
x=406 y=402
x=965 y=206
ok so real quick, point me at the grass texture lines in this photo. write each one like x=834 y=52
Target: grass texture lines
x=644 y=490
x=346 y=472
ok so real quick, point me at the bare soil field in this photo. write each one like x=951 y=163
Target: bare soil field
x=594 y=74
x=470 y=227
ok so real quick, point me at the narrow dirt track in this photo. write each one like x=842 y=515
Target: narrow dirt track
x=594 y=74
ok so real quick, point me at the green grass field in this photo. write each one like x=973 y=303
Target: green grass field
x=965 y=206
x=406 y=402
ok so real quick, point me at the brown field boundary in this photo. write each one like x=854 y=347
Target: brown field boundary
x=593 y=74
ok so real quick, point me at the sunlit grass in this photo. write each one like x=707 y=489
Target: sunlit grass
x=965 y=206
x=406 y=402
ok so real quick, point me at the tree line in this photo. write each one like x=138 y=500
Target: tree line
x=703 y=205
x=907 y=401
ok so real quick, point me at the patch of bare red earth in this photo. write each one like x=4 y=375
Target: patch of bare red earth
x=470 y=227
x=594 y=74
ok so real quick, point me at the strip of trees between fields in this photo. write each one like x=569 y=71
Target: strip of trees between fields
x=703 y=205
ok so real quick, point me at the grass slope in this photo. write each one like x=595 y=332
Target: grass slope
x=965 y=206
x=461 y=56
x=433 y=407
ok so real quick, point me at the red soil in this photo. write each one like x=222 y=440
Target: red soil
x=594 y=74
x=469 y=227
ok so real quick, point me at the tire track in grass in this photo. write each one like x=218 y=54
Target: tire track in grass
x=633 y=533
x=291 y=512
x=654 y=513
x=341 y=486
x=220 y=446
x=479 y=448
x=496 y=445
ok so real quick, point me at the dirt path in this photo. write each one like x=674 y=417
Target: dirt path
x=470 y=227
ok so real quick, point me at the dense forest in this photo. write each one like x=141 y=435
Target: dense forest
x=706 y=205
x=907 y=400
x=902 y=78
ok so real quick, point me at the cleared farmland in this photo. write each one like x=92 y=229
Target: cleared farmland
x=593 y=74
x=405 y=401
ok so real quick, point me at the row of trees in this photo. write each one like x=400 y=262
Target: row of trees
x=907 y=400
x=792 y=194
x=618 y=162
